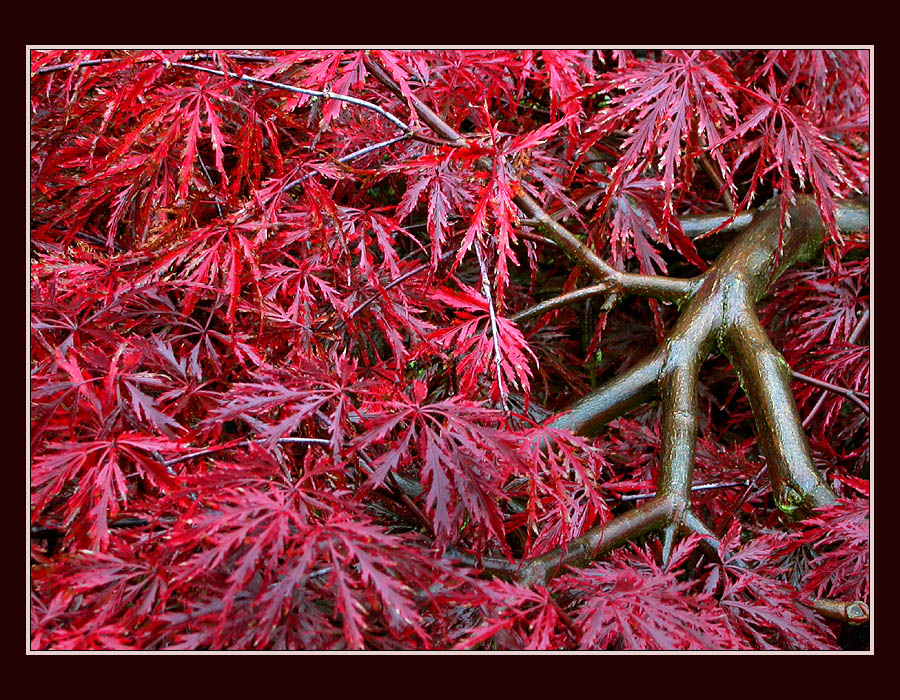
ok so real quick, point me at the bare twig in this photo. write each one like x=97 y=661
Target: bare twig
x=853 y=338
x=390 y=285
x=535 y=237
x=154 y=59
x=392 y=485
x=567 y=621
x=393 y=283
x=399 y=494
x=713 y=171
x=744 y=496
x=88 y=237
x=696 y=487
x=848 y=393
x=323 y=94
x=210 y=181
x=350 y=156
x=560 y=301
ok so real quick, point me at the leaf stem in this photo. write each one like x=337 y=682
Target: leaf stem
x=495 y=333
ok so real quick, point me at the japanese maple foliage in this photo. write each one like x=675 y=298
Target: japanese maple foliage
x=278 y=397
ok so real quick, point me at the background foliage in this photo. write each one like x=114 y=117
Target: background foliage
x=275 y=386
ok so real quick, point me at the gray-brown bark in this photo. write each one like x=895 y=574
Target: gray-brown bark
x=717 y=314
x=720 y=314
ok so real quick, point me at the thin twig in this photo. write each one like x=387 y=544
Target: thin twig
x=324 y=94
x=350 y=156
x=848 y=393
x=43 y=532
x=392 y=486
x=154 y=59
x=393 y=283
x=535 y=237
x=567 y=621
x=854 y=336
x=88 y=237
x=209 y=179
x=716 y=176
x=390 y=285
x=697 y=487
x=744 y=496
x=560 y=301
x=398 y=493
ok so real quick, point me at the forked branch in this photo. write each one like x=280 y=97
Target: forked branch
x=718 y=313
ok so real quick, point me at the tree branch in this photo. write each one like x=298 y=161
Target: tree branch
x=854 y=336
x=615 y=398
x=561 y=235
x=719 y=312
x=647 y=517
x=350 y=156
x=852 y=215
x=854 y=612
x=848 y=393
x=765 y=377
x=324 y=94
x=560 y=301
x=678 y=388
